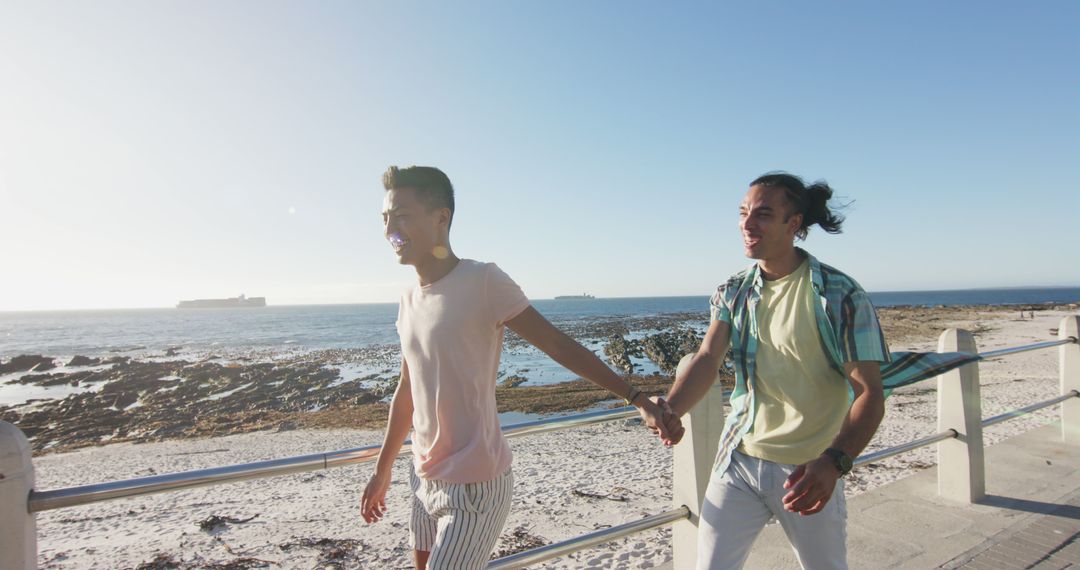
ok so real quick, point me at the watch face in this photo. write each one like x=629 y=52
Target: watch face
x=845 y=464
x=841 y=460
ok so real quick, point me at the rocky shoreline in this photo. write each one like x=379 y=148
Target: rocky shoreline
x=166 y=397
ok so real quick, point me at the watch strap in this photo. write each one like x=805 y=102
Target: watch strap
x=840 y=459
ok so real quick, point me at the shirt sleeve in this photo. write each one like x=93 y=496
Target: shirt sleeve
x=505 y=299
x=718 y=307
x=861 y=338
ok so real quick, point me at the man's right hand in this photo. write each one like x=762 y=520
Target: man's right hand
x=673 y=422
x=373 y=503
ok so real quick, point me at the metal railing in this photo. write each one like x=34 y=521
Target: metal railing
x=45 y=500
x=542 y=553
x=1012 y=414
x=1018 y=412
x=85 y=494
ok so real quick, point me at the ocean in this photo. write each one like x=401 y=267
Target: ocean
x=244 y=335
x=312 y=327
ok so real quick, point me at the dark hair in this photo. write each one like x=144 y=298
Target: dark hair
x=431 y=185
x=810 y=201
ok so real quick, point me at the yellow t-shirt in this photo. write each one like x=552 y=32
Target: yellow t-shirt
x=800 y=401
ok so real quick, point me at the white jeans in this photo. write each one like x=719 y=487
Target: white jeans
x=739 y=502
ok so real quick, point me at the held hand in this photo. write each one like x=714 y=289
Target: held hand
x=373 y=503
x=653 y=416
x=672 y=421
x=810 y=486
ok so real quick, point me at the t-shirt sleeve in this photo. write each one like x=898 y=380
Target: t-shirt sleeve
x=861 y=338
x=718 y=307
x=505 y=299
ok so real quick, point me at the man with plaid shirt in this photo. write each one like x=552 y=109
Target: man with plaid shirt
x=808 y=353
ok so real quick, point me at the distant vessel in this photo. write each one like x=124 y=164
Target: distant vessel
x=230 y=303
x=581 y=296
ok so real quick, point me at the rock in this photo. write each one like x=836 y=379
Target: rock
x=24 y=362
x=125 y=399
x=83 y=361
x=513 y=381
x=667 y=348
x=618 y=353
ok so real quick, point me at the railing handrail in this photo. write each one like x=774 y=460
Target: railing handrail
x=1027 y=347
x=45 y=500
x=96 y=492
x=547 y=552
x=85 y=494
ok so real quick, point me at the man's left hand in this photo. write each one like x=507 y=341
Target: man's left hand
x=811 y=486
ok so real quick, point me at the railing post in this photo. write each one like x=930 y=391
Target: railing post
x=18 y=533
x=1069 y=371
x=961 y=468
x=693 y=462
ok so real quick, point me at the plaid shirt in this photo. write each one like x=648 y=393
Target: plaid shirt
x=849 y=331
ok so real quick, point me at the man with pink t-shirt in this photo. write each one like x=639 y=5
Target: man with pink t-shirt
x=451 y=327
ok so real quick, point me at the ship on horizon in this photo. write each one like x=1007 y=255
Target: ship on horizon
x=581 y=296
x=230 y=303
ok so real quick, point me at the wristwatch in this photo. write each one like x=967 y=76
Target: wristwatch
x=840 y=460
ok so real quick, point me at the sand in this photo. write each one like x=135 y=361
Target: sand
x=567 y=483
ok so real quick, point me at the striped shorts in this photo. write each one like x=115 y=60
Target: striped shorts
x=459 y=523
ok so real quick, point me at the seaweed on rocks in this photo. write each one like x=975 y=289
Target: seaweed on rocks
x=667 y=348
x=619 y=351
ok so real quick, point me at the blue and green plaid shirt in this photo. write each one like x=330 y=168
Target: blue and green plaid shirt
x=849 y=331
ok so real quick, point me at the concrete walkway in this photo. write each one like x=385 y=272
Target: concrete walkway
x=1030 y=517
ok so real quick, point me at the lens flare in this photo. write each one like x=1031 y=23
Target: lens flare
x=440 y=252
x=396 y=240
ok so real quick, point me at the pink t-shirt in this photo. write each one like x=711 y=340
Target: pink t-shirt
x=451 y=336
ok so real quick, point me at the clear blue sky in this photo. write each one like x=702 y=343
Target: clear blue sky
x=156 y=151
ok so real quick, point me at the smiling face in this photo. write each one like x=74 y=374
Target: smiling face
x=768 y=231
x=417 y=234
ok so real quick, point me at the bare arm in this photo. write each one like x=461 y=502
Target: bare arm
x=533 y=327
x=692 y=385
x=373 y=503
x=866 y=411
x=811 y=485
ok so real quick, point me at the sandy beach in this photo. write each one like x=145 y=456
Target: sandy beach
x=567 y=483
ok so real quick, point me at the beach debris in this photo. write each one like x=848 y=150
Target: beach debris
x=334 y=553
x=161 y=561
x=164 y=561
x=518 y=540
x=244 y=563
x=614 y=495
x=213 y=522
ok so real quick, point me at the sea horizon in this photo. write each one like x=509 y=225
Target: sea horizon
x=595 y=297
